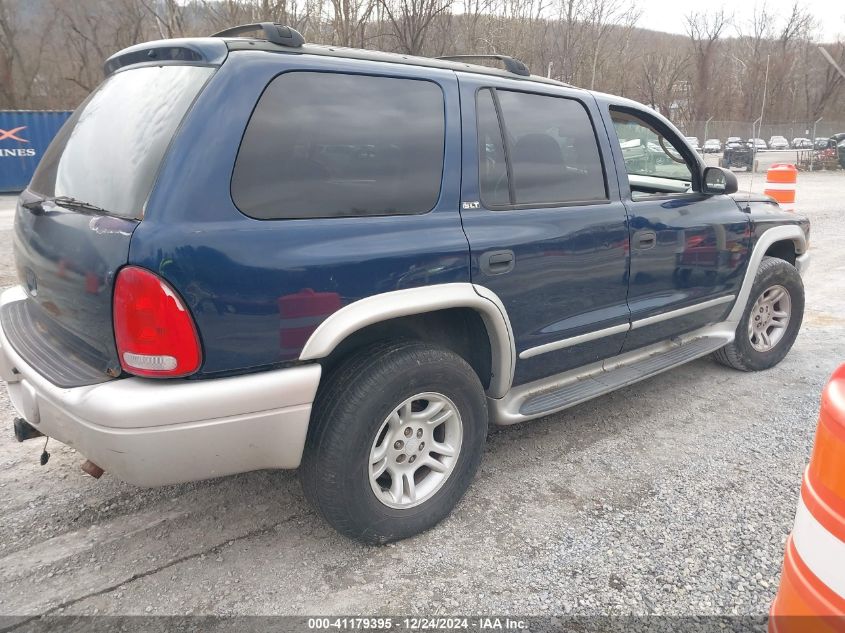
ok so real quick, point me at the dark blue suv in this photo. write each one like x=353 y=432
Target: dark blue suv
x=250 y=252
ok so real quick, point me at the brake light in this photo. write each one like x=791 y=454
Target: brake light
x=154 y=332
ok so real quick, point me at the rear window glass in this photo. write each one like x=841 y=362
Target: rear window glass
x=333 y=145
x=108 y=153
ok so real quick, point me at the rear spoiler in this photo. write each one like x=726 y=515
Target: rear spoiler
x=206 y=51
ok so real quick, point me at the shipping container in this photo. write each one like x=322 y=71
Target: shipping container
x=24 y=137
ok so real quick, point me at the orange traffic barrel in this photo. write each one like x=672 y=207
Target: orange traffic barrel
x=781 y=180
x=812 y=587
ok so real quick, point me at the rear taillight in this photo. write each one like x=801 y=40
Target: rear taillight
x=154 y=332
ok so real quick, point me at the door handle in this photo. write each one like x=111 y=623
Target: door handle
x=497 y=262
x=644 y=240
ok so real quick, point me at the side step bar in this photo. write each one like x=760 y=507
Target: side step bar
x=570 y=388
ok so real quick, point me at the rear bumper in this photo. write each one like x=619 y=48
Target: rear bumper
x=153 y=432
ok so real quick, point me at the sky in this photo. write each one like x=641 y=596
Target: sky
x=668 y=15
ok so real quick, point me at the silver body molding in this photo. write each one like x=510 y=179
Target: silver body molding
x=504 y=401
x=674 y=314
x=574 y=340
x=786 y=232
x=153 y=432
x=410 y=301
x=505 y=411
x=619 y=329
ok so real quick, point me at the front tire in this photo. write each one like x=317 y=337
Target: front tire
x=396 y=436
x=771 y=320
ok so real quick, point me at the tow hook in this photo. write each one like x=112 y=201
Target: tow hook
x=25 y=431
x=90 y=468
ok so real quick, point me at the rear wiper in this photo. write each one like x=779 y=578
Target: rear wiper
x=65 y=201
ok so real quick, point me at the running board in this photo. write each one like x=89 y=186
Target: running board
x=568 y=389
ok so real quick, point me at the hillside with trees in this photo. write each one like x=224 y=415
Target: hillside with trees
x=51 y=51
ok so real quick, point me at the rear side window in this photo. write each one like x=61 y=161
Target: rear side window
x=550 y=146
x=109 y=152
x=332 y=145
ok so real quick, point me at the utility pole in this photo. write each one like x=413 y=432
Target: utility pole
x=832 y=61
x=765 y=92
x=841 y=72
x=813 y=152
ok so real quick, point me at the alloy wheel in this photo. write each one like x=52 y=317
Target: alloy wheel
x=415 y=450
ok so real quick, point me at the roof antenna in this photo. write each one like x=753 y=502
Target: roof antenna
x=754 y=137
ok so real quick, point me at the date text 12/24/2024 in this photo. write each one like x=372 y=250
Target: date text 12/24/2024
x=420 y=623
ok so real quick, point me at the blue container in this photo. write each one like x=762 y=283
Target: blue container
x=24 y=137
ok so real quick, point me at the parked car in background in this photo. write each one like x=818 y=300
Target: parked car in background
x=839 y=138
x=694 y=142
x=778 y=142
x=759 y=144
x=822 y=142
x=738 y=154
x=372 y=258
x=712 y=145
x=733 y=139
x=802 y=143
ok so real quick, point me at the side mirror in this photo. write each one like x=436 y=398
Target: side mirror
x=719 y=181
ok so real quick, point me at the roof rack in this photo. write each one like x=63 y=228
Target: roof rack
x=273 y=32
x=512 y=64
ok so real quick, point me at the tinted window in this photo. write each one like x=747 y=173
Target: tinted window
x=108 y=153
x=327 y=145
x=492 y=169
x=552 y=148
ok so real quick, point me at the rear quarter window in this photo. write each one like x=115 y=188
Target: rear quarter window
x=323 y=145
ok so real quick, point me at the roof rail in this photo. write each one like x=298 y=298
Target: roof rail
x=512 y=64
x=273 y=32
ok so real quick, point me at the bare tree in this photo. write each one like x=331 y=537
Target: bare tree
x=349 y=19
x=704 y=30
x=663 y=75
x=410 y=19
x=606 y=16
x=20 y=66
x=592 y=43
x=169 y=16
x=823 y=82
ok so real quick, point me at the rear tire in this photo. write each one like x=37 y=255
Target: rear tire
x=386 y=408
x=771 y=320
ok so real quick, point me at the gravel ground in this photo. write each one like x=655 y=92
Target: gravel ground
x=673 y=496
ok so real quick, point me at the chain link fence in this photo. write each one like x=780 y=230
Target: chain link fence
x=747 y=129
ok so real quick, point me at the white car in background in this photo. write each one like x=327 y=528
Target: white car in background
x=693 y=140
x=712 y=145
x=778 y=142
x=759 y=144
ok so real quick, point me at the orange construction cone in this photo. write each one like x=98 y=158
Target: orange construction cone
x=781 y=180
x=812 y=586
